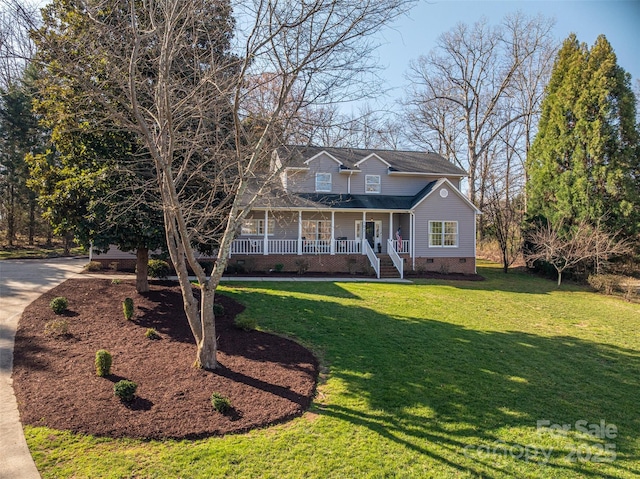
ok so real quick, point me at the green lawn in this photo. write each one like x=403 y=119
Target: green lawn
x=436 y=379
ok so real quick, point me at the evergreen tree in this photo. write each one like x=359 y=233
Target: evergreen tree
x=20 y=135
x=584 y=163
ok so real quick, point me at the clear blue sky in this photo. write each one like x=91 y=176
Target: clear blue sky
x=416 y=34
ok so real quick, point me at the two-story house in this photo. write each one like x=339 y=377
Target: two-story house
x=346 y=210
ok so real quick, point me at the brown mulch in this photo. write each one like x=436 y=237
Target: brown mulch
x=268 y=379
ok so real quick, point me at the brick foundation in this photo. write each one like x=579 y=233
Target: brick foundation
x=445 y=265
x=352 y=263
x=117 y=264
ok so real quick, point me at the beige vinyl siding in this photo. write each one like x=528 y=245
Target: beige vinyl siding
x=302 y=181
x=451 y=208
x=373 y=166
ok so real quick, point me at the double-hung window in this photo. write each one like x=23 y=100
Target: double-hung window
x=255 y=227
x=443 y=234
x=372 y=184
x=323 y=182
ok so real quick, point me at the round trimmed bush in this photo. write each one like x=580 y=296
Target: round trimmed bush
x=125 y=390
x=127 y=308
x=220 y=403
x=218 y=309
x=103 y=362
x=151 y=333
x=158 y=268
x=93 y=266
x=243 y=322
x=59 y=305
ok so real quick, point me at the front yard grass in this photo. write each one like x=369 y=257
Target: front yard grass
x=433 y=379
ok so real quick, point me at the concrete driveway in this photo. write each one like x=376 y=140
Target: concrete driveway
x=21 y=281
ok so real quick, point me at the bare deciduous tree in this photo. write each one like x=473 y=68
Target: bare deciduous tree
x=463 y=94
x=159 y=69
x=565 y=248
x=17 y=18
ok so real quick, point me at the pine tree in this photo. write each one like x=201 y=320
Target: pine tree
x=584 y=163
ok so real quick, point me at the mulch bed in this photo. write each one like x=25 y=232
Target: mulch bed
x=268 y=379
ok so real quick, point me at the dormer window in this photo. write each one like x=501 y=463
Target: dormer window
x=372 y=184
x=323 y=182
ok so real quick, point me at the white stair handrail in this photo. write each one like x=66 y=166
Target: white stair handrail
x=373 y=259
x=398 y=262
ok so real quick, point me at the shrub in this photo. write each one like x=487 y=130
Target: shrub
x=158 y=268
x=116 y=281
x=604 y=283
x=302 y=265
x=125 y=390
x=218 y=309
x=630 y=291
x=220 y=403
x=279 y=267
x=250 y=265
x=151 y=333
x=93 y=266
x=246 y=323
x=103 y=362
x=352 y=265
x=59 y=305
x=127 y=308
x=57 y=328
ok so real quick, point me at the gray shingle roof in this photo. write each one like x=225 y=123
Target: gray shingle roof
x=400 y=161
x=280 y=199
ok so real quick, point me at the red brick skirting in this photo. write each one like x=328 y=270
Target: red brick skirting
x=351 y=263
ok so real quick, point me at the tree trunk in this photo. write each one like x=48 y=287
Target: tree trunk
x=559 y=278
x=11 y=217
x=68 y=237
x=207 y=346
x=505 y=261
x=32 y=220
x=142 y=269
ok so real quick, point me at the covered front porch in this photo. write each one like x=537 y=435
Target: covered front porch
x=313 y=232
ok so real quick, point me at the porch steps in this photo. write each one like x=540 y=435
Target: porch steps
x=387 y=269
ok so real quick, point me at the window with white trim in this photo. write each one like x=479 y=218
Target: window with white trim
x=316 y=230
x=443 y=234
x=372 y=184
x=255 y=227
x=323 y=182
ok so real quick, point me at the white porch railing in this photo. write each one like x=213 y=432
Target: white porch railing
x=283 y=246
x=393 y=245
x=316 y=247
x=244 y=246
x=344 y=246
x=373 y=259
x=398 y=262
x=247 y=246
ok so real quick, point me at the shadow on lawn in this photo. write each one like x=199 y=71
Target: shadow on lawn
x=432 y=386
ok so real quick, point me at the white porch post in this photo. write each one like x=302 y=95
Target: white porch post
x=363 y=229
x=265 y=248
x=300 y=232
x=391 y=225
x=333 y=218
x=412 y=246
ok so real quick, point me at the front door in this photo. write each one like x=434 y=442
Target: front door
x=370 y=232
